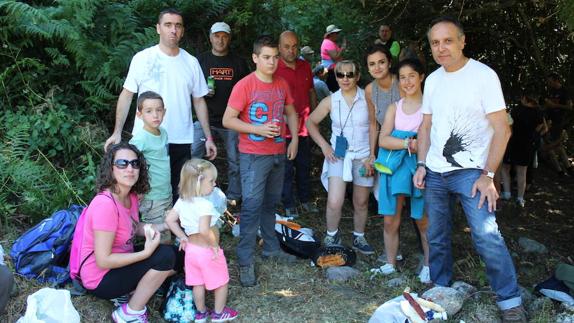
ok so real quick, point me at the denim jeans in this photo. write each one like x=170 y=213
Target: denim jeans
x=301 y=168
x=440 y=190
x=261 y=182
x=230 y=140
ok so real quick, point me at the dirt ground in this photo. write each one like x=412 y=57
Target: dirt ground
x=300 y=293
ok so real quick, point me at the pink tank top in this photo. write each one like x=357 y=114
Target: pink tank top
x=407 y=122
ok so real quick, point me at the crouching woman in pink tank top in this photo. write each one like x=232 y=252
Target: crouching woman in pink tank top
x=111 y=268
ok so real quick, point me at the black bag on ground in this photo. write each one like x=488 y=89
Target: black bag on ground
x=296 y=242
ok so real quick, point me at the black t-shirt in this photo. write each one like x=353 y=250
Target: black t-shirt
x=526 y=119
x=227 y=71
x=556 y=115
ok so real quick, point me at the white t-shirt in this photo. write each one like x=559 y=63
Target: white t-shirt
x=459 y=102
x=190 y=212
x=176 y=79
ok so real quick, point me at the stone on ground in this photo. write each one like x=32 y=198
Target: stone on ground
x=449 y=298
x=531 y=246
x=342 y=273
x=464 y=288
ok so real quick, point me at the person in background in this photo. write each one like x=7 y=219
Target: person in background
x=321 y=88
x=307 y=54
x=331 y=53
x=527 y=128
x=223 y=70
x=348 y=155
x=386 y=39
x=297 y=73
x=6 y=282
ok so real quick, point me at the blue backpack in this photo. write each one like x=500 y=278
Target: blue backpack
x=42 y=252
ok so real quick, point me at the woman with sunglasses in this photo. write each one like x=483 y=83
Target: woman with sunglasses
x=110 y=267
x=347 y=154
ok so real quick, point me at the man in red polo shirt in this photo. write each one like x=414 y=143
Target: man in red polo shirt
x=297 y=73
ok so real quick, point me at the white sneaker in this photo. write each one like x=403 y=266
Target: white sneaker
x=424 y=275
x=385 y=269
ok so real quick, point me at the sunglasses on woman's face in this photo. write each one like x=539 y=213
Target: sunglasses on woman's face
x=123 y=163
x=348 y=75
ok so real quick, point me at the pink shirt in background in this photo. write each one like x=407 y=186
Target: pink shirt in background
x=104 y=215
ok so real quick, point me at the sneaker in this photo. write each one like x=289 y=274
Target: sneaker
x=383 y=258
x=330 y=241
x=385 y=269
x=279 y=255
x=309 y=207
x=361 y=245
x=515 y=314
x=201 y=317
x=505 y=196
x=120 y=315
x=118 y=301
x=247 y=275
x=424 y=275
x=291 y=212
x=520 y=202
x=228 y=314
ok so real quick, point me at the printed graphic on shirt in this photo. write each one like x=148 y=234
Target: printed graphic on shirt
x=259 y=113
x=461 y=143
x=221 y=73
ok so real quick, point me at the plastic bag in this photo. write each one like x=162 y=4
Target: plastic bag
x=49 y=305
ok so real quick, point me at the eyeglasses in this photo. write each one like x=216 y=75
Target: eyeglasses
x=123 y=163
x=348 y=75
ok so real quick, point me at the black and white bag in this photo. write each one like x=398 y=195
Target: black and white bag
x=297 y=242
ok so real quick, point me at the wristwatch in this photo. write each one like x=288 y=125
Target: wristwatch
x=488 y=173
x=421 y=163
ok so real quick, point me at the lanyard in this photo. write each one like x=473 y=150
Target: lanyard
x=348 y=115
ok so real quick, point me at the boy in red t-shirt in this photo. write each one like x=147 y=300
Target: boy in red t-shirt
x=256 y=109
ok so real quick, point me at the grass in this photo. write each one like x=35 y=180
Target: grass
x=300 y=293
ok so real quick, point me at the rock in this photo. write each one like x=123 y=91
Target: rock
x=396 y=282
x=538 y=305
x=565 y=318
x=465 y=289
x=342 y=273
x=526 y=296
x=531 y=246
x=482 y=313
x=449 y=298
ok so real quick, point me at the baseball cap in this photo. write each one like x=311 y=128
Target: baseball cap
x=220 y=26
x=307 y=50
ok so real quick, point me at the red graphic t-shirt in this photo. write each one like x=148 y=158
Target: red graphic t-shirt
x=258 y=103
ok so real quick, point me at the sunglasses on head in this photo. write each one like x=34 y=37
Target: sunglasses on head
x=123 y=163
x=348 y=75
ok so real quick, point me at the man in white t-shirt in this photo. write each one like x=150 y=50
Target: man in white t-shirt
x=460 y=145
x=176 y=75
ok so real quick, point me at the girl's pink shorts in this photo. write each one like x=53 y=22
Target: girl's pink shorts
x=201 y=269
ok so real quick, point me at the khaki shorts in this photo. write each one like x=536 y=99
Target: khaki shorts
x=154 y=211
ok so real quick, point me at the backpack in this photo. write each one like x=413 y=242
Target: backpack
x=178 y=305
x=41 y=253
x=295 y=240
